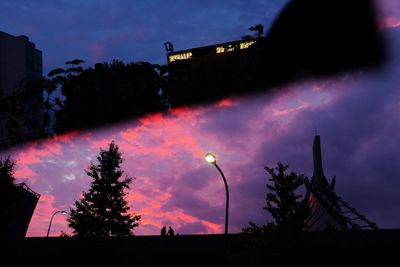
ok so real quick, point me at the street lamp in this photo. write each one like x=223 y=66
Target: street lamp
x=51 y=220
x=210 y=158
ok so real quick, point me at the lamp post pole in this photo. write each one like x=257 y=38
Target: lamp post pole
x=51 y=220
x=211 y=159
x=227 y=197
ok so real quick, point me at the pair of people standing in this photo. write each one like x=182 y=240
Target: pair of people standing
x=164 y=231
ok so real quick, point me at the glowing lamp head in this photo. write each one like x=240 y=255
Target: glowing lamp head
x=210 y=158
x=64 y=212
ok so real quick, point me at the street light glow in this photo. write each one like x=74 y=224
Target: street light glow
x=51 y=220
x=210 y=158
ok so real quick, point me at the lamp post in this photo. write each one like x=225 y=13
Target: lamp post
x=210 y=158
x=51 y=220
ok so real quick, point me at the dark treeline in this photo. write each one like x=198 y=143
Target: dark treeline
x=108 y=92
x=76 y=98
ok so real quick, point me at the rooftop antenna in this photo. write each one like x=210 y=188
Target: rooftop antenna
x=259 y=29
x=169 y=47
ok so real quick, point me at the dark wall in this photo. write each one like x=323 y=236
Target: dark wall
x=311 y=249
x=25 y=204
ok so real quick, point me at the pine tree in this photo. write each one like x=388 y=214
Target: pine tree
x=103 y=211
x=282 y=201
x=7 y=192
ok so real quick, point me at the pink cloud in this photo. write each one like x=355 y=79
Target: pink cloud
x=23 y=172
x=159 y=134
x=66 y=137
x=389 y=22
x=101 y=143
x=130 y=135
x=154 y=218
x=225 y=103
x=286 y=111
x=35 y=152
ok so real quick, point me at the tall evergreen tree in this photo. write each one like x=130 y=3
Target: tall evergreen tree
x=7 y=192
x=103 y=211
x=282 y=201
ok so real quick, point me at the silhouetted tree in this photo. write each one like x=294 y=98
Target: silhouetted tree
x=282 y=202
x=7 y=191
x=73 y=97
x=103 y=211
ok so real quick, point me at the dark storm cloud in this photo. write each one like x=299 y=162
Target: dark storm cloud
x=196 y=179
x=248 y=197
x=195 y=205
x=186 y=195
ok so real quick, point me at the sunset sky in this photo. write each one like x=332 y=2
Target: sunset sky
x=356 y=114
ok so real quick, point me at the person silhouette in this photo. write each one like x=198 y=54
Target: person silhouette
x=170 y=231
x=163 y=231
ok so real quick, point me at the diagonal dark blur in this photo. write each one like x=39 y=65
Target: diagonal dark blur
x=309 y=38
x=312 y=37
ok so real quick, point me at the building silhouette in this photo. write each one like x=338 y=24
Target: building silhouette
x=213 y=71
x=21 y=112
x=19 y=61
x=326 y=210
x=24 y=203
